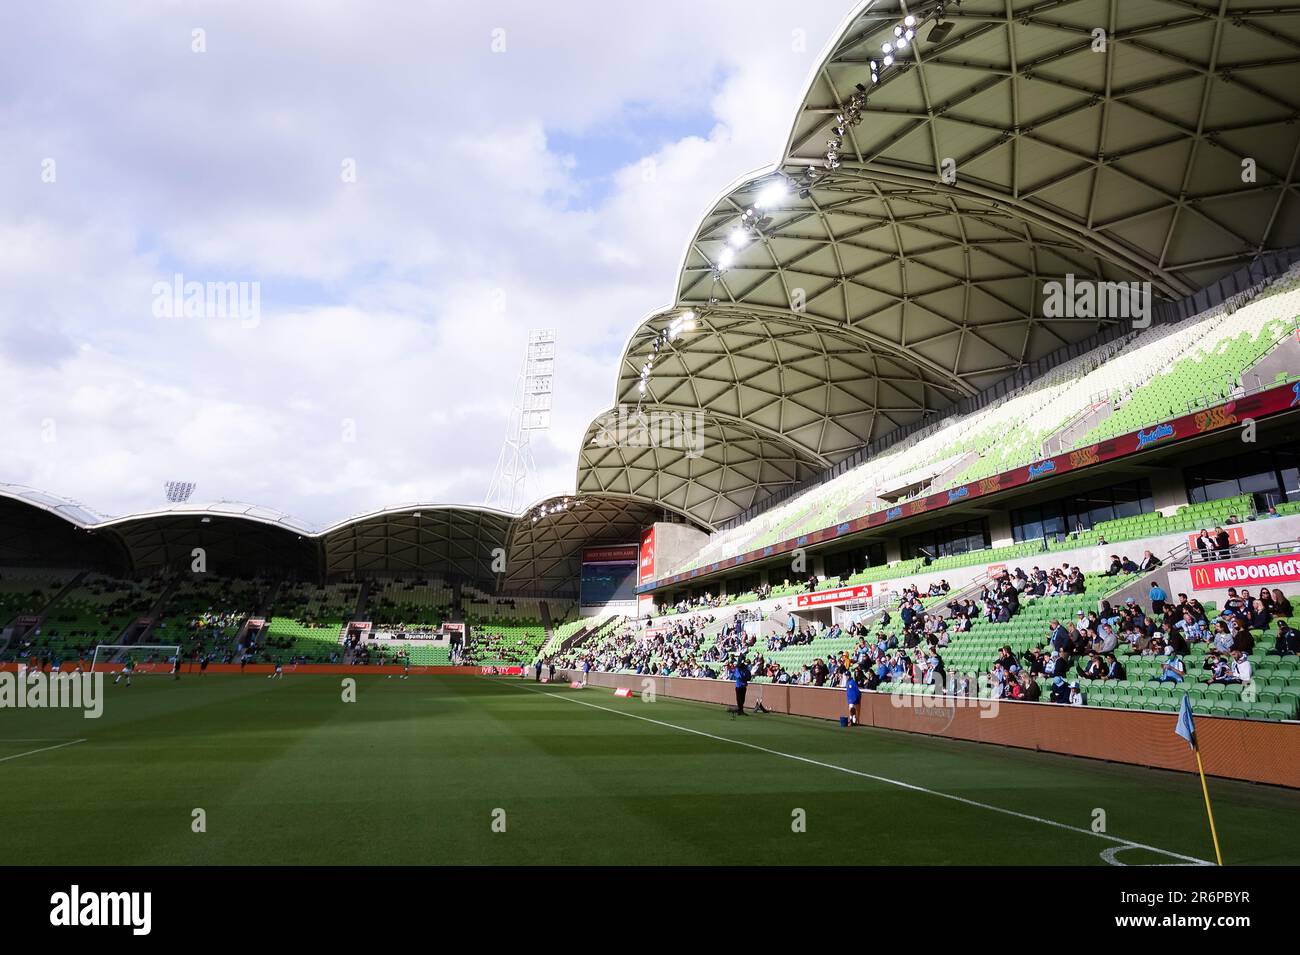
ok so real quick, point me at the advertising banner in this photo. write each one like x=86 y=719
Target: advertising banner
x=825 y=598
x=1250 y=571
x=1236 y=535
x=646 y=572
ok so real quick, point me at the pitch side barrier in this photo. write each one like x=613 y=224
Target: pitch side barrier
x=1253 y=750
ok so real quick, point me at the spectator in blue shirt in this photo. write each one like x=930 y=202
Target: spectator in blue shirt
x=1158 y=598
x=1173 y=670
x=854 y=697
x=741 y=675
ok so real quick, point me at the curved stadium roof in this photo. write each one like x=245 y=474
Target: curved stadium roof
x=413 y=538
x=881 y=292
x=542 y=547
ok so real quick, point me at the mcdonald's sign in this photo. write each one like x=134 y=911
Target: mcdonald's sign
x=1257 y=571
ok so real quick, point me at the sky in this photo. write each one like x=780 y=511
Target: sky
x=406 y=188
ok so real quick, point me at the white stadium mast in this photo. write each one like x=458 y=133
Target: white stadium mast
x=178 y=492
x=516 y=469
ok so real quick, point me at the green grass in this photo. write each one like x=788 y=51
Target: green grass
x=411 y=773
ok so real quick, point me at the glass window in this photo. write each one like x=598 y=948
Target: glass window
x=1270 y=476
x=1068 y=514
x=947 y=541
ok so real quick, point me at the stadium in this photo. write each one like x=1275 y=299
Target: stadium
x=963 y=464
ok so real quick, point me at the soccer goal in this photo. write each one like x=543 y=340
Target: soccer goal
x=148 y=657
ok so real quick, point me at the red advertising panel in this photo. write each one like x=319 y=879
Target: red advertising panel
x=646 y=572
x=1236 y=535
x=824 y=598
x=1270 y=571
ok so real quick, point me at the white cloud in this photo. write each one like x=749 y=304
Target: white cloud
x=380 y=298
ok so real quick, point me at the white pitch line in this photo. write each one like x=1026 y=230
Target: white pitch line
x=1111 y=857
x=43 y=749
x=1125 y=843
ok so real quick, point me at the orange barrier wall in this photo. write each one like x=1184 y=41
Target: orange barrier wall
x=1254 y=750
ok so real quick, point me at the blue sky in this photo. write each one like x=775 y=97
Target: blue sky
x=495 y=187
x=640 y=129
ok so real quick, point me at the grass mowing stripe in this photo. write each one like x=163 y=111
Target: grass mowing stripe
x=1191 y=860
x=44 y=749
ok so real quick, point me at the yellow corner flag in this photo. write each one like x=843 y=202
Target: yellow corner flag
x=1187 y=730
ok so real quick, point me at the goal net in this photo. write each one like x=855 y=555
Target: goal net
x=147 y=657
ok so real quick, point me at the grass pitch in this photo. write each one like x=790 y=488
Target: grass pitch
x=415 y=772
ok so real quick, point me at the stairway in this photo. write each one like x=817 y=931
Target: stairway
x=1139 y=587
x=545 y=612
x=155 y=612
x=363 y=598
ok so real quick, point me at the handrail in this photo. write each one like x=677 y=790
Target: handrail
x=1179 y=555
x=1243 y=550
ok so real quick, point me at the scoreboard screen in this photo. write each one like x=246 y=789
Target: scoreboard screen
x=608 y=575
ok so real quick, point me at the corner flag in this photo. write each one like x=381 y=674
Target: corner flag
x=1187 y=730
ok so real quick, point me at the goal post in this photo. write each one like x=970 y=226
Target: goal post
x=156 y=656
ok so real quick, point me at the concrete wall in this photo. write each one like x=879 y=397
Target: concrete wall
x=1000 y=529
x=1168 y=492
x=676 y=544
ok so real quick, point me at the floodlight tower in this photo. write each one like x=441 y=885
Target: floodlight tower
x=531 y=412
x=178 y=492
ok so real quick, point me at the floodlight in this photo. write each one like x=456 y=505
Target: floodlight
x=772 y=193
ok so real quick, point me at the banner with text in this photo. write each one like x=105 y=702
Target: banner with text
x=646 y=572
x=1279 y=569
x=824 y=598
